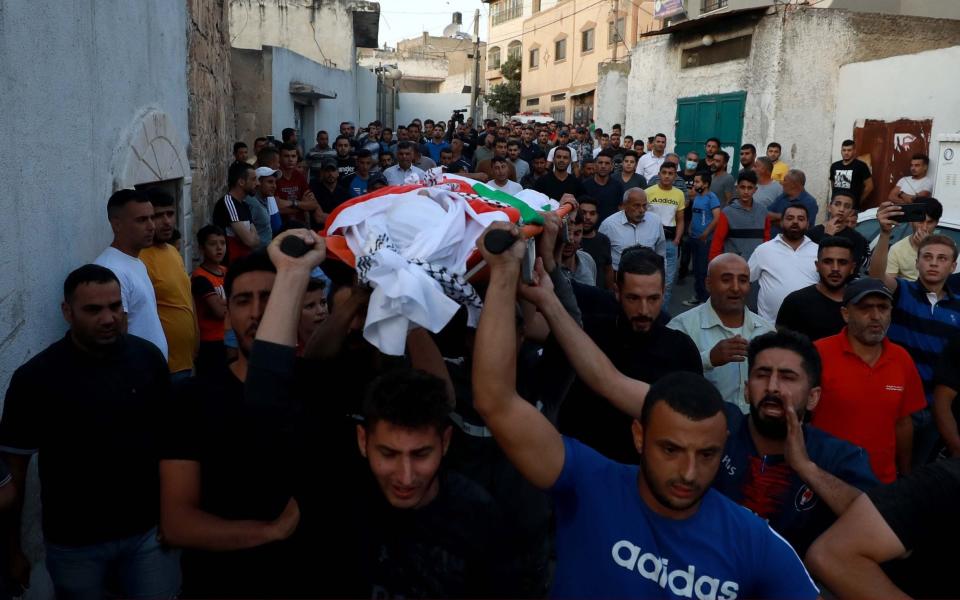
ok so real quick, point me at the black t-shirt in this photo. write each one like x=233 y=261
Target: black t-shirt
x=599 y=248
x=809 y=312
x=921 y=509
x=849 y=179
x=947 y=372
x=860 y=245
x=93 y=422
x=555 y=189
x=454 y=547
x=346 y=166
x=644 y=356
x=608 y=196
x=329 y=199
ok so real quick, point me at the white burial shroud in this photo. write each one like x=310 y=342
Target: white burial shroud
x=412 y=249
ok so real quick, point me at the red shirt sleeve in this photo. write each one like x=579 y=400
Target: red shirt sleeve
x=766 y=229
x=719 y=236
x=913 y=396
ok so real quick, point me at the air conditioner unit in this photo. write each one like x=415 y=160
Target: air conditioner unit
x=947 y=187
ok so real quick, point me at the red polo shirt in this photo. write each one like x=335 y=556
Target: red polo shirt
x=861 y=404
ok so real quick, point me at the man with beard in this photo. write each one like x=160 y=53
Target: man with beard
x=841 y=212
x=723 y=326
x=794 y=193
x=620 y=526
x=815 y=310
x=528 y=148
x=538 y=168
x=637 y=340
x=748 y=156
x=784 y=264
x=172 y=286
x=559 y=181
x=346 y=163
x=710 y=147
x=87 y=406
x=596 y=244
x=603 y=187
x=870 y=385
x=577 y=264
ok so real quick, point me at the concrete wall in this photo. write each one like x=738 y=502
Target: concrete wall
x=791 y=76
x=429 y=106
x=76 y=103
x=863 y=93
x=211 y=110
x=320 y=31
x=612 y=94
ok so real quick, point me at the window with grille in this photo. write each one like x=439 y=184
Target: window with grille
x=514 y=49
x=558 y=97
x=493 y=58
x=558 y=113
x=701 y=56
x=586 y=40
x=711 y=5
x=560 y=50
x=533 y=101
x=505 y=10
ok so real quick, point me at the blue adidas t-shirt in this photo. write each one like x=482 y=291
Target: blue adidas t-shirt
x=703 y=205
x=611 y=545
x=769 y=487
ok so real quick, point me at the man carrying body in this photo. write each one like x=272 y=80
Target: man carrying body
x=723 y=326
x=633 y=226
x=850 y=175
x=916 y=187
x=99 y=390
x=171 y=286
x=660 y=505
x=131 y=218
x=870 y=385
x=815 y=310
x=636 y=340
x=604 y=188
x=926 y=313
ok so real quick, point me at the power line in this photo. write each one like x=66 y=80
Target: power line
x=539 y=25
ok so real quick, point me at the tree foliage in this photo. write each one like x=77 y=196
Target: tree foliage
x=505 y=97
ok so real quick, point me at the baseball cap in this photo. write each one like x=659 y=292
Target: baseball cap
x=564 y=132
x=267 y=172
x=328 y=163
x=861 y=288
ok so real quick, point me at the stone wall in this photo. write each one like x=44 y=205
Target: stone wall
x=211 y=110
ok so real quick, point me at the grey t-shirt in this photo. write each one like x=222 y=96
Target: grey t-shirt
x=766 y=194
x=586 y=272
x=260 y=217
x=722 y=185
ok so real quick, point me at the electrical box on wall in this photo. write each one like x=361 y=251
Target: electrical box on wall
x=947 y=187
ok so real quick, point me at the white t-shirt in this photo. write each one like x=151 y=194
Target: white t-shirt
x=649 y=165
x=912 y=187
x=781 y=270
x=511 y=187
x=573 y=157
x=139 y=299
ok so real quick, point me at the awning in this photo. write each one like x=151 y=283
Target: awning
x=309 y=91
x=711 y=19
x=582 y=92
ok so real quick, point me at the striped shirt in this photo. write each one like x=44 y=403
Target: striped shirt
x=923 y=325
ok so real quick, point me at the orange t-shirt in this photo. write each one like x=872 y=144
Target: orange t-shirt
x=204 y=283
x=861 y=404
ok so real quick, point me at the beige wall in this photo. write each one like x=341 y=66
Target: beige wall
x=502 y=34
x=577 y=72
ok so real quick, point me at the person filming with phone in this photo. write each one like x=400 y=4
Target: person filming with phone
x=926 y=314
x=923 y=218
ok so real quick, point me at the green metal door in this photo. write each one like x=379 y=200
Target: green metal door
x=716 y=115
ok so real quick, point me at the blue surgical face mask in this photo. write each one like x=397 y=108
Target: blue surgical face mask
x=691 y=165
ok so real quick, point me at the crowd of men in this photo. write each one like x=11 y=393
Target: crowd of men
x=230 y=433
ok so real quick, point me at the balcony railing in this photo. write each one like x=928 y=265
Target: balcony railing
x=712 y=5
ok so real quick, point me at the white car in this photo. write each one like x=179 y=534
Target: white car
x=869 y=227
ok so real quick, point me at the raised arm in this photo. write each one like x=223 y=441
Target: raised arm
x=526 y=436
x=590 y=363
x=878 y=262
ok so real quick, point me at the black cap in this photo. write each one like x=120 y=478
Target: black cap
x=328 y=163
x=859 y=289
